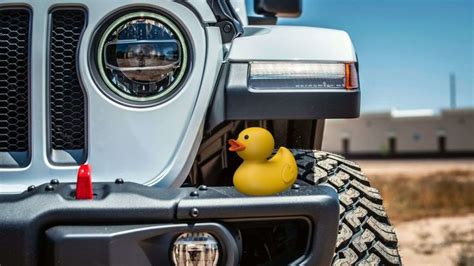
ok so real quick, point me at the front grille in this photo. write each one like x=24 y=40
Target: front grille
x=14 y=92
x=67 y=105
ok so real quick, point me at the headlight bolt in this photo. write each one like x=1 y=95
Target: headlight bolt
x=31 y=188
x=202 y=187
x=295 y=186
x=227 y=28
x=49 y=188
x=194 y=194
x=54 y=182
x=119 y=181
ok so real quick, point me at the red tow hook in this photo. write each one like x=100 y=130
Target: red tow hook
x=84 y=183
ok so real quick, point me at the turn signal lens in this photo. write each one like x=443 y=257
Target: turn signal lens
x=290 y=75
x=352 y=78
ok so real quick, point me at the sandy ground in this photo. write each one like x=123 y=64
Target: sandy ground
x=416 y=167
x=428 y=241
x=435 y=241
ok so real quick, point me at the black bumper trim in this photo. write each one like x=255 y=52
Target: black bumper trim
x=25 y=217
x=128 y=244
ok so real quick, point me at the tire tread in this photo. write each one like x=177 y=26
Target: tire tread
x=365 y=235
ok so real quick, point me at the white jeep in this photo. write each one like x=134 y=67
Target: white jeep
x=148 y=92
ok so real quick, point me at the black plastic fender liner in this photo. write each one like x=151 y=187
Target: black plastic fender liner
x=25 y=218
x=234 y=99
x=244 y=103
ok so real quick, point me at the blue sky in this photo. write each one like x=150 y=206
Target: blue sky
x=406 y=48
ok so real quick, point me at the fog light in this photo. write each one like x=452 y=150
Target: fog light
x=196 y=249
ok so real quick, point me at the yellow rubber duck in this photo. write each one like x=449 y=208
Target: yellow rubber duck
x=258 y=175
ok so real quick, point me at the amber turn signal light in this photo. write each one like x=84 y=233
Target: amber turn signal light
x=352 y=77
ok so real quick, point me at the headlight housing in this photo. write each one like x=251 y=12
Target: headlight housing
x=142 y=57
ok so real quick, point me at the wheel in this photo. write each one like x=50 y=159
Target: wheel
x=365 y=236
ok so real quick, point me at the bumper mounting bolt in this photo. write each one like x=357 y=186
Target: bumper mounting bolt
x=49 y=188
x=31 y=188
x=295 y=186
x=54 y=182
x=194 y=212
x=194 y=194
x=202 y=187
x=119 y=181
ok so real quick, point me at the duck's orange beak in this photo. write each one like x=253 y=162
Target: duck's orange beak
x=235 y=145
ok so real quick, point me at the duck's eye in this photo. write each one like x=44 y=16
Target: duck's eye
x=246 y=137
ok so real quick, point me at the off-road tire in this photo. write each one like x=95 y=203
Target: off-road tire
x=365 y=235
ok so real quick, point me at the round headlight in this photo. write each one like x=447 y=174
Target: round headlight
x=142 y=56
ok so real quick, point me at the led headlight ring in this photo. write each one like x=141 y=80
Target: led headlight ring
x=142 y=57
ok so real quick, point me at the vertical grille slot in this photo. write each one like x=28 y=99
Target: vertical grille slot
x=14 y=86
x=67 y=99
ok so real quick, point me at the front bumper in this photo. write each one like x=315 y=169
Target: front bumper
x=48 y=226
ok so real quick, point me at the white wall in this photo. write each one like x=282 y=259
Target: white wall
x=370 y=132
